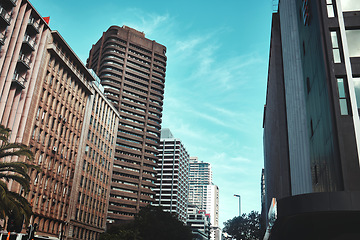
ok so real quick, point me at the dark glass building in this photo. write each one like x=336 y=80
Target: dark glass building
x=132 y=71
x=312 y=173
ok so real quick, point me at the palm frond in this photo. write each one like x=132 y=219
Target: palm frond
x=11 y=203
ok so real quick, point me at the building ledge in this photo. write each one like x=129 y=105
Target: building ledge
x=334 y=215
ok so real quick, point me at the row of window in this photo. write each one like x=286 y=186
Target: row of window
x=91 y=203
x=89 y=218
x=86 y=234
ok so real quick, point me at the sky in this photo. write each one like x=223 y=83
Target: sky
x=215 y=86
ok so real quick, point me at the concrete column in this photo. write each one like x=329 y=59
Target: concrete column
x=44 y=33
x=11 y=61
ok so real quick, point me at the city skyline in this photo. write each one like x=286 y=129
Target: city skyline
x=215 y=83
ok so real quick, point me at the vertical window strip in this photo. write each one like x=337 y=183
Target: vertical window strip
x=343 y=100
x=335 y=47
x=330 y=8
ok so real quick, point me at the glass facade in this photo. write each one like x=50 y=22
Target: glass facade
x=325 y=172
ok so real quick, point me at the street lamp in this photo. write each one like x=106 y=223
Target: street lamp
x=236 y=195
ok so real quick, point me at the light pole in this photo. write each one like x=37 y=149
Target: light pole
x=236 y=195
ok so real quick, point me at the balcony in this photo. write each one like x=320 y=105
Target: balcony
x=33 y=26
x=13 y=2
x=19 y=80
x=2 y=38
x=24 y=61
x=9 y=3
x=29 y=42
x=5 y=17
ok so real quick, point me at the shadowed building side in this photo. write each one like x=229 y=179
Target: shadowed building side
x=311 y=122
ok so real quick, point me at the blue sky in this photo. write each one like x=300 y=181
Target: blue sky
x=216 y=76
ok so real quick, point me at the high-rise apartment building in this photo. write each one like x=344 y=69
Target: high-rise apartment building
x=172 y=179
x=46 y=100
x=200 y=177
x=212 y=208
x=311 y=121
x=203 y=193
x=132 y=71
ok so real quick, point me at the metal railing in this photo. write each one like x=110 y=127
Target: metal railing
x=33 y=23
x=24 y=59
x=2 y=38
x=29 y=40
x=19 y=79
x=5 y=14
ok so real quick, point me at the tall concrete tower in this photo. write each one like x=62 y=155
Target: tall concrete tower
x=132 y=71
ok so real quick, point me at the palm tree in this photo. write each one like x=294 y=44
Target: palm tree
x=11 y=203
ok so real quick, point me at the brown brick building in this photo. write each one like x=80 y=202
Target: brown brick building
x=132 y=71
x=49 y=101
x=91 y=185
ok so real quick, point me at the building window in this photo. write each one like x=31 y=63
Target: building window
x=353 y=42
x=335 y=47
x=344 y=109
x=350 y=5
x=356 y=81
x=330 y=8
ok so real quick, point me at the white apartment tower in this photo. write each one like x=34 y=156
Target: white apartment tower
x=172 y=186
x=203 y=193
x=200 y=177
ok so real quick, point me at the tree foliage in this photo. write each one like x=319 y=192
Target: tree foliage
x=245 y=227
x=11 y=203
x=152 y=223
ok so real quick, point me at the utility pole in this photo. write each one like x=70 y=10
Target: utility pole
x=236 y=195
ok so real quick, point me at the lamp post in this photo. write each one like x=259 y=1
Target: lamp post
x=236 y=195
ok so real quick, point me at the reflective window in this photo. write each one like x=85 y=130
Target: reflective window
x=335 y=46
x=330 y=8
x=350 y=5
x=357 y=90
x=342 y=97
x=353 y=41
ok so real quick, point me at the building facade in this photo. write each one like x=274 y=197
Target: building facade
x=199 y=223
x=55 y=120
x=212 y=208
x=311 y=113
x=46 y=100
x=172 y=179
x=200 y=177
x=132 y=71
x=91 y=184
x=203 y=193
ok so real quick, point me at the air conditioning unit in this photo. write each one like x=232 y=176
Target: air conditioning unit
x=54 y=149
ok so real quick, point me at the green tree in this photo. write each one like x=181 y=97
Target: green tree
x=152 y=223
x=245 y=227
x=13 y=204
